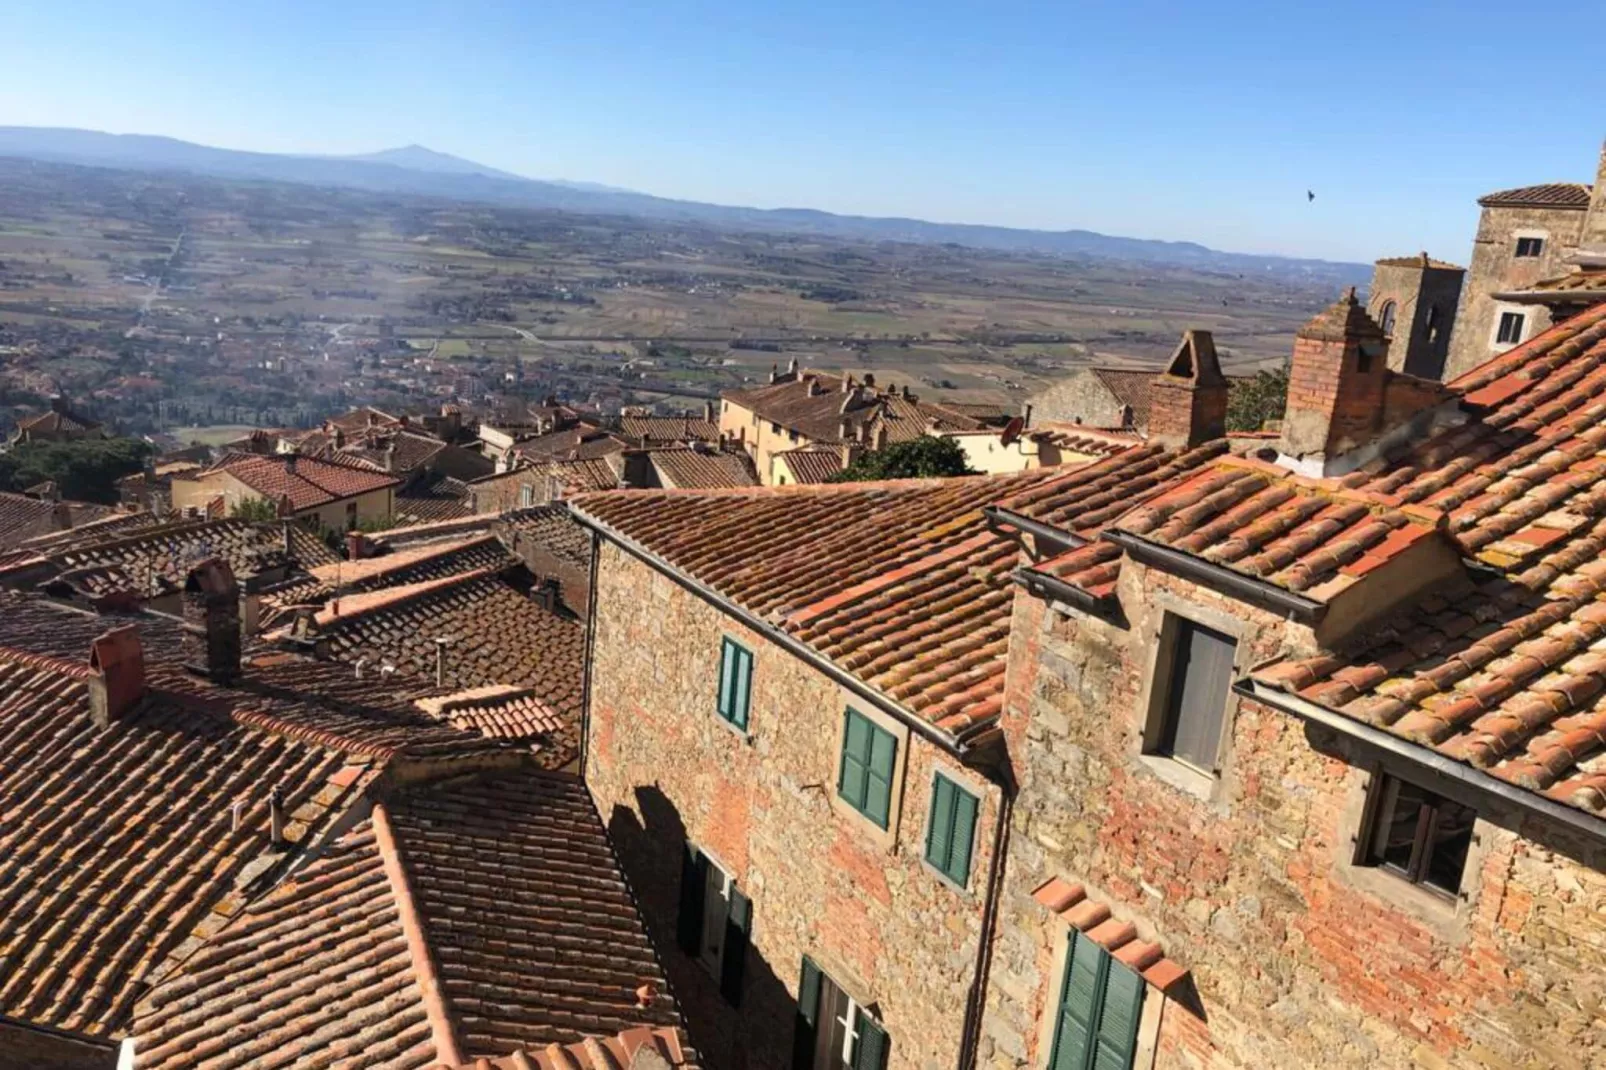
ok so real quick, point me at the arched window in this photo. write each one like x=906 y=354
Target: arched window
x=1386 y=318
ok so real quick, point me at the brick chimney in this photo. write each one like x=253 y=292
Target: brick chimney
x=1336 y=385
x=118 y=661
x=290 y=462
x=212 y=621
x=1188 y=401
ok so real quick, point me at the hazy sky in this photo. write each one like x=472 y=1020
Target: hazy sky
x=1129 y=118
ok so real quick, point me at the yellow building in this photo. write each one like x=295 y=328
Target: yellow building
x=336 y=496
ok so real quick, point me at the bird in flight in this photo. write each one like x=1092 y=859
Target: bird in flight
x=1309 y=196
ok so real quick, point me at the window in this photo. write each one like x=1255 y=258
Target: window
x=1100 y=1004
x=1193 y=694
x=1363 y=360
x=526 y=495
x=716 y=921
x=833 y=1031
x=351 y=515
x=1510 y=331
x=735 y=683
x=951 y=830
x=1530 y=246
x=1385 y=318
x=775 y=429
x=1431 y=323
x=1417 y=835
x=869 y=753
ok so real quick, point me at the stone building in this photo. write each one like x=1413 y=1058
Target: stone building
x=1308 y=766
x=1525 y=236
x=1414 y=298
x=792 y=728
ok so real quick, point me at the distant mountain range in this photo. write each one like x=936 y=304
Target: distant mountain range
x=416 y=169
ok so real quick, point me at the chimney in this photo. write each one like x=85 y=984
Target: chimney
x=289 y=543
x=708 y=411
x=791 y=367
x=850 y=452
x=212 y=621
x=290 y=462
x=58 y=403
x=276 y=818
x=906 y=395
x=881 y=435
x=546 y=595
x=390 y=455
x=60 y=516
x=1189 y=399
x=847 y=382
x=118 y=661
x=1336 y=385
x=440 y=662
x=845 y=429
x=356 y=545
x=815 y=389
x=775 y=375
x=1026 y=416
x=340 y=439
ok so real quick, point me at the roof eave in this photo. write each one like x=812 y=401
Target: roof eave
x=1250 y=589
x=1471 y=780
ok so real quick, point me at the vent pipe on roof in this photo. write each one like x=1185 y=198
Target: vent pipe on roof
x=358 y=666
x=440 y=662
x=276 y=818
x=236 y=815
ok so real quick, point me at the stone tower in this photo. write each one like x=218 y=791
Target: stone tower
x=1414 y=298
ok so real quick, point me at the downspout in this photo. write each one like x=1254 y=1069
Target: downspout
x=590 y=648
x=976 y=1002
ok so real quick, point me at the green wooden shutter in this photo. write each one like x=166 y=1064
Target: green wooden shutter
x=964 y=834
x=744 y=687
x=1078 y=1010
x=807 y=1024
x=940 y=828
x=738 y=927
x=871 y=1052
x=1118 y=1019
x=878 y=790
x=693 y=881
x=853 y=781
x=727 y=680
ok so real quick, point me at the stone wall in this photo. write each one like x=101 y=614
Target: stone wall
x=1298 y=957
x=665 y=769
x=498 y=494
x=1082 y=398
x=1425 y=300
x=1495 y=268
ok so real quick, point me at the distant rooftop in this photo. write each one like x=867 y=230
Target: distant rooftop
x=1548 y=195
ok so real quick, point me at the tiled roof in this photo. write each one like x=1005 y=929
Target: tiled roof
x=550 y=526
x=576 y=477
x=392 y=450
x=1259 y=520
x=465 y=920
x=1500 y=671
x=315 y=482
x=440 y=497
x=496 y=710
x=1422 y=260
x=22 y=517
x=1130 y=388
x=119 y=841
x=594 y=1053
x=1550 y=195
x=900 y=583
x=362 y=418
x=1073 y=438
x=702 y=469
x=150 y=559
x=815 y=405
x=56 y=422
x=576 y=443
x=812 y=464
x=413 y=564
x=670 y=428
x=494 y=635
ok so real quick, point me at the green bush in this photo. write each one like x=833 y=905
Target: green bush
x=85 y=471
x=923 y=457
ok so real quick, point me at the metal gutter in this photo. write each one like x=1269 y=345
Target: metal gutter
x=1256 y=592
x=999 y=517
x=953 y=745
x=1472 y=781
x=1042 y=585
x=591 y=633
x=976 y=1000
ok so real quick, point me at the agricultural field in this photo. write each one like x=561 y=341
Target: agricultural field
x=168 y=301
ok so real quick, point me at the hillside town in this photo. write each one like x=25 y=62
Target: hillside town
x=547 y=737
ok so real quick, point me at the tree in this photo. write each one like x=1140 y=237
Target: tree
x=923 y=457
x=85 y=470
x=1252 y=403
x=254 y=509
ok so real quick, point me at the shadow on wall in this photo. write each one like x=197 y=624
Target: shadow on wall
x=756 y=1034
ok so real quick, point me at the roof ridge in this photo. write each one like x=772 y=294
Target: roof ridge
x=351 y=571
x=442 y=1027
x=18 y=656
x=386 y=597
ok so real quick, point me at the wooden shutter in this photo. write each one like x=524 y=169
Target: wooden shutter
x=727 y=680
x=853 y=780
x=940 y=830
x=1078 y=1010
x=744 y=687
x=807 y=1023
x=964 y=834
x=878 y=789
x=1201 y=673
x=1118 y=1019
x=738 y=928
x=693 y=878
x=871 y=1053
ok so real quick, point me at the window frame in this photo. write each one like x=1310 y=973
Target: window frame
x=1388 y=315
x=1535 y=251
x=962 y=790
x=727 y=646
x=885 y=837
x=1105 y=967
x=1166 y=613
x=731 y=915
x=1381 y=796
x=1502 y=316
x=873 y=734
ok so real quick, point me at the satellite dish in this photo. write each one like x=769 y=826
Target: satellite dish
x=1012 y=431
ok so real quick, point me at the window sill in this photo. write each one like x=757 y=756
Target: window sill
x=943 y=878
x=1437 y=910
x=1181 y=776
x=882 y=837
x=743 y=734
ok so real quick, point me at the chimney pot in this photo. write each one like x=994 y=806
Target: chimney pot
x=276 y=818
x=356 y=545
x=118 y=660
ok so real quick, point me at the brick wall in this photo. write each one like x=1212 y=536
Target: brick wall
x=1495 y=268
x=664 y=768
x=1298 y=958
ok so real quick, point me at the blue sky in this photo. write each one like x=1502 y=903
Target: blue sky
x=1132 y=118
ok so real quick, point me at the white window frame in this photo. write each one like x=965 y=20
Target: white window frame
x=726 y=882
x=1500 y=312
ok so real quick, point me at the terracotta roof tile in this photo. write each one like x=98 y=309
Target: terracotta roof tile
x=1070 y=902
x=669 y=428
x=314 y=482
x=815 y=405
x=1550 y=195
x=702 y=469
x=812 y=464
